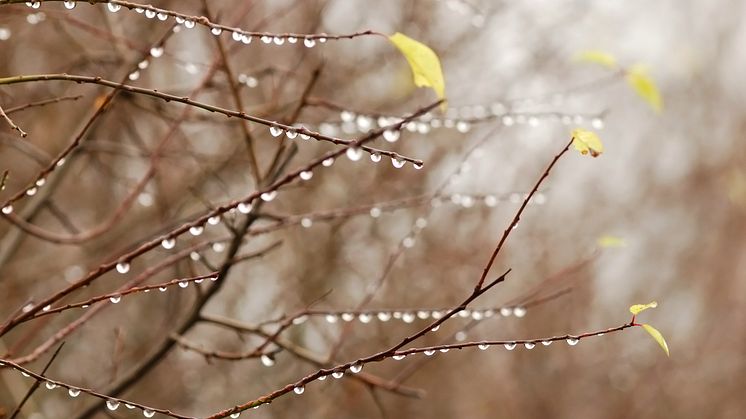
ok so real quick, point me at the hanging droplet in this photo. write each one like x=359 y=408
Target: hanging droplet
x=246 y=39
x=490 y=200
x=384 y=316
x=408 y=317
x=299 y=389
x=147 y=412
x=266 y=39
x=168 y=243
x=244 y=207
x=115 y=299
x=214 y=220
x=375 y=212
x=429 y=352
x=398 y=357
x=306 y=175
x=397 y=162
x=375 y=157
x=463 y=126
x=306 y=222
x=149 y=13
x=7 y=209
x=291 y=134
x=73 y=392
x=275 y=131
x=267 y=360
x=278 y=40
x=348 y=317
x=236 y=36
x=519 y=312
x=134 y=75
x=194 y=256
x=506 y=311
x=572 y=341
x=309 y=42
x=417 y=165
x=216 y=31
x=391 y=135
x=33 y=4
x=435 y=329
x=40 y=182
x=483 y=346
x=113 y=7
x=142 y=65
x=183 y=284
x=529 y=345
x=162 y=16
x=47 y=307
x=331 y=318
x=129 y=406
x=305 y=136
x=510 y=346
x=292 y=39
x=408 y=243
x=356 y=368
x=508 y=120
x=162 y=289
x=354 y=153
x=546 y=342
x=123 y=267
x=444 y=350
x=156 y=52
x=269 y=196
x=189 y=24
x=597 y=123
x=338 y=374
x=112 y=404
x=328 y=162
x=50 y=385
x=322 y=378
x=365 y=318
x=322 y=40
x=69 y=5
x=196 y=230
x=218 y=247
x=235 y=415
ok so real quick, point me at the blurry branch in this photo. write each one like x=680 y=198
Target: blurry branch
x=42 y=103
x=12 y=124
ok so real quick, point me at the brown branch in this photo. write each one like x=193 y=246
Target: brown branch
x=12 y=124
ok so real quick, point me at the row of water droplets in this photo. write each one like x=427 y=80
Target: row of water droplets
x=353 y=153
x=73 y=392
x=409 y=316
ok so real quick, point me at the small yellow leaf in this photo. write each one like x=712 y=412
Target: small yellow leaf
x=657 y=336
x=644 y=86
x=642 y=307
x=611 y=241
x=597 y=57
x=423 y=61
x=587 y=142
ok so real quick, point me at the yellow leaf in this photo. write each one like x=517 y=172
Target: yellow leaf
x=644 y=86
x=597 y=57
x=587 y=142
x=642 y=307
x=611 y=241
x=423 y=61
x=657 y=336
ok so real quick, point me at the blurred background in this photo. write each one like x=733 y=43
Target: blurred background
x=668 y=195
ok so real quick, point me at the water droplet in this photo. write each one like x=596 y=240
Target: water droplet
x=123 y=267
x=397 y=162
x=183 y=284
x=244 y=207
x=391 y=135
x=216 y=31
x=348 y=317
x=291 y=134
x=408 y=317
x=417 y=166
x=278 y=40
x=510 y=346
x=309 y=42
x=477 y=315
x=597 y=123
x=194 y=256
x=168 y=243
x=114 y=7
x=196 y=230
x=269 y=196
x=398 y=357
x=147 y=412
x=149 y=14
x=162 y=289
x=483 y=346
x=73 y=392
x=322 y=40
x=305 y=136
x=266 y=39
x=134 y=75
x=422 y=314
x=546 y=342
x=236 y=36
x=112 y=404
x=354 y=153
x=142 y=65
x=47 y=307
x=519 y=311
x=338 y=374
x=156 y=52
x=529 y=345
x=33 y=4
x=408 y=243
x=328 y=162
x=365 y=318
x=506 y=311
x=189 y=24
x=162 y=16
x=246 y=39
x=69 y=5
x=218 y=247
x=306 y=175
x=7 y=209
x=384 y=316
x=572 y=341
x=322 y=378
x=50 y=385
x=429 y=352
x=267 y=361
x=444 y=350
x=40 y=182
x=490 y=200
x=508 y=120
x=129 y=406
x=331 y=318
x=306 y=222
x=463 y=126
x=292 y=39
x=275 y=131
x=435 y=329
x=139 y=10
x=235 y=415
x=115 y=299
